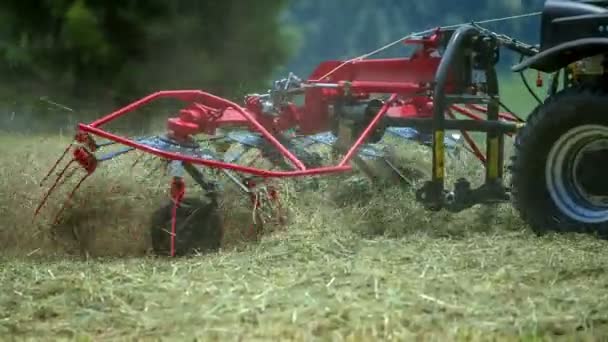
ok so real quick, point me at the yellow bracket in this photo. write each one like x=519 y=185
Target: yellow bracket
x=439 y=150
x=492 y=158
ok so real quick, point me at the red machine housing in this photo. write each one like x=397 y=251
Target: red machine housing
x=407 y=79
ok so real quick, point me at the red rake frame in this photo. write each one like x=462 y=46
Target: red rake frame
x=422 y=89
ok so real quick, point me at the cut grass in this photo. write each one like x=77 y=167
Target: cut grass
x=354 y=263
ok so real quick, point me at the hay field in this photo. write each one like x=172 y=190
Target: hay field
x=354 y=263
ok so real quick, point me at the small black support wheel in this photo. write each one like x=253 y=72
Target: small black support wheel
x=198 y=228
x=560 y=165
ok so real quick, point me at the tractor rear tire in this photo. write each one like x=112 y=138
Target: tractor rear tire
x=550 y=188
x=198 y=228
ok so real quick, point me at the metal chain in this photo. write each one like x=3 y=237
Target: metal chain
x=389 y=45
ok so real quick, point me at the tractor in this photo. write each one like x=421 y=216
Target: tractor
x=561 y=154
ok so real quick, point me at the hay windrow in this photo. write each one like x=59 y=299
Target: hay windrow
x=110 y=214
x=355 y=262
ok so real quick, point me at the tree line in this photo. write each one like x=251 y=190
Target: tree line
x=122 y=49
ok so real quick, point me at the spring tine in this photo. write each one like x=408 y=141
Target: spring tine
x=177 y=195
x=173 y=226
x=68 y=176
x=187 y=219
x=137 y=160
x=165 y=166
x=114 y=154
x=69 y=199
x=151 y=164
x=48 y=193
x=56 y=164
x=236 y=181
x=148 y=161
x=396 y=170
x=160 y=164
x=257 y=157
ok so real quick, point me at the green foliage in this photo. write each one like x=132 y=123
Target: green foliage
x=129 y=47
x=378 y=267
x=76 y=50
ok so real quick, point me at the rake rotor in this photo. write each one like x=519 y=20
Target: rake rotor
x=347 y=106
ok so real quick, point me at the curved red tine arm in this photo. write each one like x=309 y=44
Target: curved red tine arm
x=368 y=130
x=198 y=95
x=178 y=192
x=212 y=163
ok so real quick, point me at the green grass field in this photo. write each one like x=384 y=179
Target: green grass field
x=355 y=262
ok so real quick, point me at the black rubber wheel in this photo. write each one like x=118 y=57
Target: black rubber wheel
x=559 y=168
x=198 y=229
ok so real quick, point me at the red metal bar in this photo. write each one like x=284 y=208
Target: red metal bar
x=470 y=114
x=466 y=112
x=402 y=70
x=478 y=108
x=368 y=130
x=178 y=191
x=505 y=116
x=192 y=95
x=467 y=137
x=212 y=163
x=128 y=108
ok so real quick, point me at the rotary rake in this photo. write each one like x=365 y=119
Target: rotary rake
x=449 y=83
x=349 y=106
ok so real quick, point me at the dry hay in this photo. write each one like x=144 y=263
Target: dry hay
x=355 y=263
x=110 y=214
